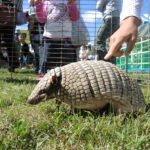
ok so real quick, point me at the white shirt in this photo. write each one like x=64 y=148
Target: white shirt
x=131 y=8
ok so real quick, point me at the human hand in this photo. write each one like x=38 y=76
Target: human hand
x=37 y=1
x=127 y=33
x=71 y=1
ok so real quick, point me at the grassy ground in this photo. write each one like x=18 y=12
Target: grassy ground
x=43 y=127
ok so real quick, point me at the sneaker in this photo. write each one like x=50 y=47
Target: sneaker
x=24 y=68
x=39 y=76
x=11 y=69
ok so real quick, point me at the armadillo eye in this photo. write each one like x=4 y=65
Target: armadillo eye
x=42 y=91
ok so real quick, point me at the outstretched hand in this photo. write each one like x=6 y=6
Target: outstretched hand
x=127 y=33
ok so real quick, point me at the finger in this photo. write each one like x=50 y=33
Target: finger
x=114 y=48
x=119 y=53
x=130 y=46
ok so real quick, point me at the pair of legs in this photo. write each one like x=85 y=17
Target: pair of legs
x=59 y=52
x=37 y=43
x=35 y=46
x=109 y=26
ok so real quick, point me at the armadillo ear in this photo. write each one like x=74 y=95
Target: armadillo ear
x=54 y=78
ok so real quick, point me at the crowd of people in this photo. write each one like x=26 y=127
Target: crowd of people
x=50 y=24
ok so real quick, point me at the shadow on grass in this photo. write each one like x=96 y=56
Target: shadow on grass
x=105 y=111
x=108 y=111
x=25 y=72
x=21 y=81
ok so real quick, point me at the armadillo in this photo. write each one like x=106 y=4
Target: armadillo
x=90 y=85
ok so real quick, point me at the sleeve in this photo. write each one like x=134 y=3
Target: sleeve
x=100 y=5
x=40 y=12
x=131 y=8
x=74 y=12
x=18 y=5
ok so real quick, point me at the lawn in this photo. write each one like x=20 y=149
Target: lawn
x=43 y=127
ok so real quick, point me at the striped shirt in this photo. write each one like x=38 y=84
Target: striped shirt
x=16 y=3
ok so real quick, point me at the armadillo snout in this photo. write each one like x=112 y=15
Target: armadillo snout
x=37 y=99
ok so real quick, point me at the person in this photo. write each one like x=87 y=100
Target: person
x=110 y=10
x=127 y=33
x=24 y=51
x=36 y=30
x=7 y=30
x=3 y=55
x=58 y=16
x=83 y=52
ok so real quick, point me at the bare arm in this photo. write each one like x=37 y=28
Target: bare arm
x=40 y=10
x=128 y=31
x=73 y=10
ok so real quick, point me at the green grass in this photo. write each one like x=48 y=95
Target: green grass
x=43 y=127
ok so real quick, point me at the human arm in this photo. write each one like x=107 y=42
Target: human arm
x=40 y=10
x=128 y=30
x=73 y=10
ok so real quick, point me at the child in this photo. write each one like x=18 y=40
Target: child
x=58 y=16
x=110 y=10
x=83 y=53
x=24 y=50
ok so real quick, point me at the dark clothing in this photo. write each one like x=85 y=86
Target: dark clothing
x=109 y=26
x=7 y=32
x=36 y=33
x=7 y=36
x=37 y=28
x=60 y=52
x=25 y=54
x=17 y=3
x=24 y=49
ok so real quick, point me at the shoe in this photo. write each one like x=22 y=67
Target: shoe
x=39 y=76
x=24 y=68
x=10 y=69
x=101 y=54
x=36 y=70
x=40 y=71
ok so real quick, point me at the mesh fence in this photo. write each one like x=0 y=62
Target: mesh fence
x=31 y=42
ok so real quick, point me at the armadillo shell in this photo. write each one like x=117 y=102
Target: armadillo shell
x=93 y=84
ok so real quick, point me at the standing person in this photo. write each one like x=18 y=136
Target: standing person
x=36 y=36
x=8 y=11
x=58 y=16
x=24 y=50
x=127 y=33
x=110 y=10
x=83 y=52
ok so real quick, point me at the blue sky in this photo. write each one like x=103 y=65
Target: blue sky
x=92 y=18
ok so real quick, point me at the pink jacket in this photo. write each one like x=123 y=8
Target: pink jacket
x=57 y=16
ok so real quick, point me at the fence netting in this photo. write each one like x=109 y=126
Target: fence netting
x=35 y=39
